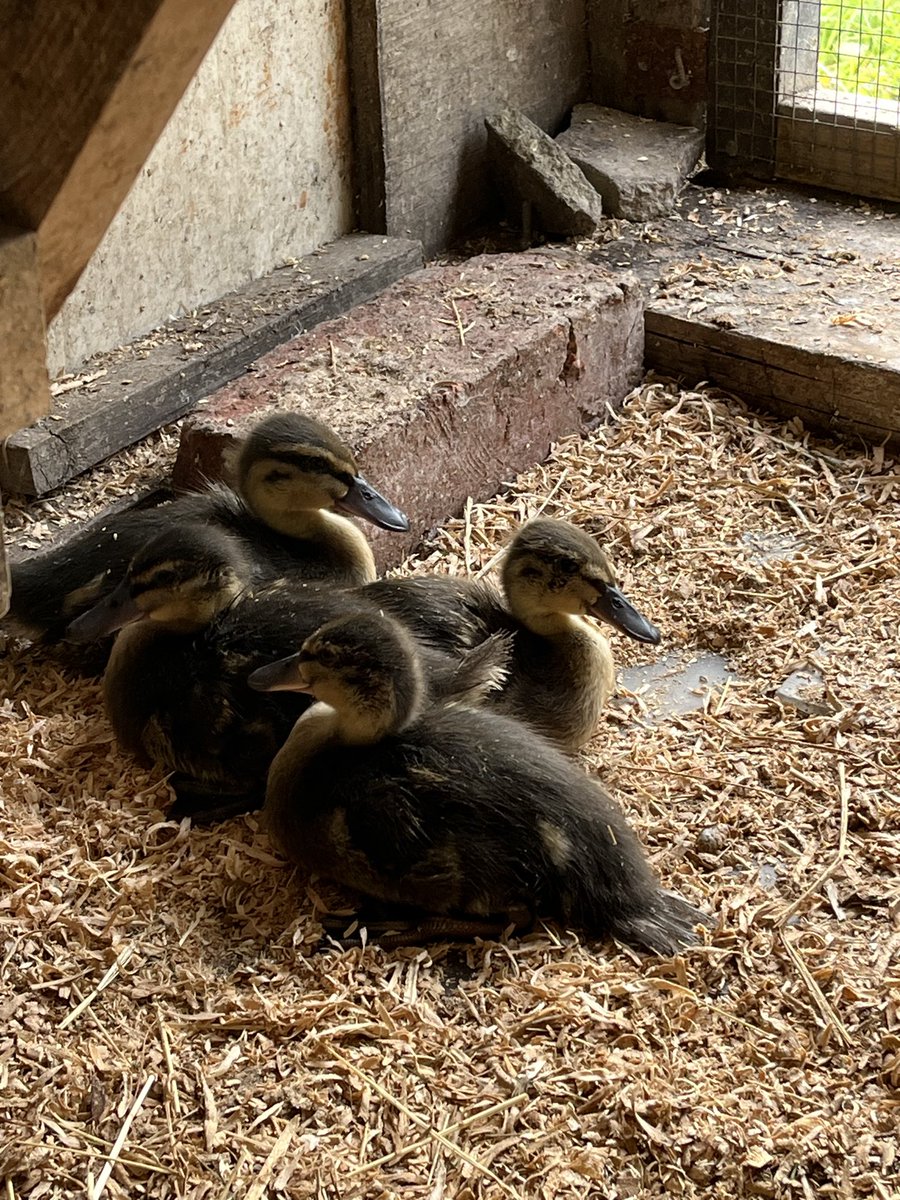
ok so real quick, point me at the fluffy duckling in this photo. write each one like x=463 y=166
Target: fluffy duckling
x=554 y=576
x=295 y=477
x=298 y=477
x=455 y=812
x=194 y=623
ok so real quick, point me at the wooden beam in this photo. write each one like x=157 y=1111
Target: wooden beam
x=827 y=391
x=369 y=165
x=87 y=91
x=24 y=386
x=649 y=57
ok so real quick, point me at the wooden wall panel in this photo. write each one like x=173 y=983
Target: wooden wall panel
x=24 y=387
x=425 y=75
x=649 y=57
x=86 y=89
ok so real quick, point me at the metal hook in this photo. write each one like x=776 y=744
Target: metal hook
x=679 y=78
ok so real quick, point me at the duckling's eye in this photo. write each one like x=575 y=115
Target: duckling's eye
x=530 y=573
x=321 y=655
x=277 y=475
x=316 y=465
x=164 y=579
x=569 y=565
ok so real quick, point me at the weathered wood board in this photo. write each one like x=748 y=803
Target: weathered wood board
x=787 y=299
x=649 y=57
x=162 y=377
x=824 y=390
x=24 y=387
x=87 y=90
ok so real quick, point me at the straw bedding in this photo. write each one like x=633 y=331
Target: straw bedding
x=172 y=1027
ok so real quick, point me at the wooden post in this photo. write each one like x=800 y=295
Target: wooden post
x=24 y=387
x=86 y=90
x=649 y=57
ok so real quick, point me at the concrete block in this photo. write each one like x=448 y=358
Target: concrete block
x=637 y=166
x=805 y=690
x=447 y=384
x=528 y=165
x=675 y=686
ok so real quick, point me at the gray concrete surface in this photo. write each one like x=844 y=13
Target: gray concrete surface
x=678 y=684
x=639 y=167
x=529 y=167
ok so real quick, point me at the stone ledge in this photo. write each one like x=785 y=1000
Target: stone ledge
x=449 y=383
x=638 y=166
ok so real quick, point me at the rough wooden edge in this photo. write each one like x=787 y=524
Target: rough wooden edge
x=89 y=426
x=826 y=391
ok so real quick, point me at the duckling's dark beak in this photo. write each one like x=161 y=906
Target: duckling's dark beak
x=363 y=501
x=281 y=676
x=612 y=606
x=111 y=613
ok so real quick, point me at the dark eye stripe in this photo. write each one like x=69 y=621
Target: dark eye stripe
x=313 y=464
x=160 y=579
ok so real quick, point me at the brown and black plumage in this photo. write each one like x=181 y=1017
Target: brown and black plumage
x=195 y=620
x=294 y=479
x=453 y=812
x=554 y=578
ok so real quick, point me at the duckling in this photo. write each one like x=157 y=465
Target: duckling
x=454 y=812
x=195 y=620
x=554 y=575
x=293 y=473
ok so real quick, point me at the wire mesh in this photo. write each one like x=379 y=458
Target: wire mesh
x=743 y=78
x=809 y=91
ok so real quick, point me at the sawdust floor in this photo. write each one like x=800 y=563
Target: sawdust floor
x=170 y=1027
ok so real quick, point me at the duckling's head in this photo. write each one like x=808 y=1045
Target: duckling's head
x=180 y=580
x=292 y=464
x=552 y=568
x=364 y=666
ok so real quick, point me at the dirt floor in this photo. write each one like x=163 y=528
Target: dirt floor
x=172 y=1027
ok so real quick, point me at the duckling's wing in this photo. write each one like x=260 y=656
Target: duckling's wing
x=51 y=589
x=481 y=671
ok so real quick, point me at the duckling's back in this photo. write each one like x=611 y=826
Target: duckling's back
x=442 y=611
x=50 y=589
x=470 y=813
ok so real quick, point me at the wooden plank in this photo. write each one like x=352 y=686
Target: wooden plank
x=825 y=390
x=87 y=90
x=150 y=387
x=24 y=386
x=851 y=151
x=453 y=420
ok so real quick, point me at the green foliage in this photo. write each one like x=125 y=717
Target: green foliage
x=859 y=48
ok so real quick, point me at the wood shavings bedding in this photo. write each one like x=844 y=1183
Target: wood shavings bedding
x=170 y=1027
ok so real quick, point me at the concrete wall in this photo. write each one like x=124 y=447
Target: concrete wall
x=253 y=168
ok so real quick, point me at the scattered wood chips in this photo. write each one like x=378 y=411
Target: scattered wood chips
x=172 y=1028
